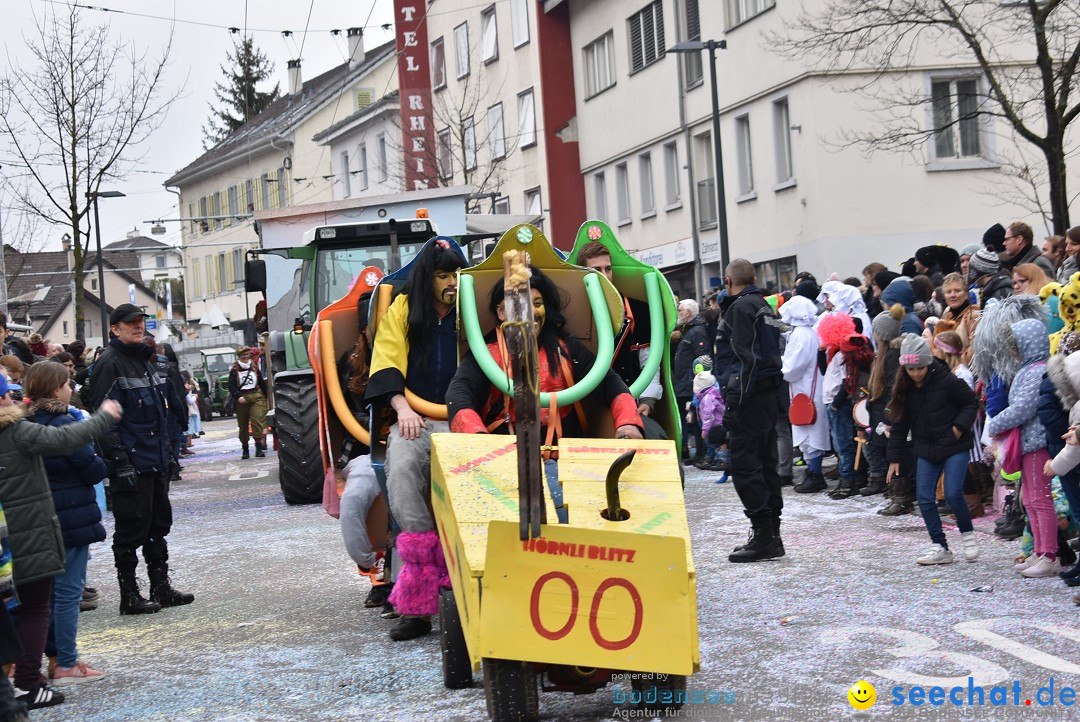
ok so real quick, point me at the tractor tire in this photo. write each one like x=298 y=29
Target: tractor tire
x=653 y=697
x=296 y=415
x=511 y=691
x=456 y=665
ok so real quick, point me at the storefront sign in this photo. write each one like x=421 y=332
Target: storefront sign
x=669 y=254
x=414 y=79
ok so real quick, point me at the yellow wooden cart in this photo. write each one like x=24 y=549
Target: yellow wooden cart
x=609 y=596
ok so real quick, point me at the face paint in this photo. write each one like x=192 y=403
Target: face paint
x=444 y=287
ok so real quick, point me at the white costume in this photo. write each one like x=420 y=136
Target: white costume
x=800 y=369
x=847 y=299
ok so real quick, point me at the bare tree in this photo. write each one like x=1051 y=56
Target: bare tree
x=77 y=117
x=478 y=152
x=1024 y=52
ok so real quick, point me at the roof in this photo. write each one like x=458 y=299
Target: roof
x=281 y=116
x=39 y=284
x=389 y=99
x=139 y=243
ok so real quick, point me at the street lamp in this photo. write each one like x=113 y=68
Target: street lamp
x=695 y=46
x=94 y=195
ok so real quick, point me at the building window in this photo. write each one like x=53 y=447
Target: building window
x=519 y=21
x=444 y=154
x=955 y=105
x=496 y=134
x=215 y=209
x=648 y=205
x=469 y=137
x=600 y=196
x=196 y=287
x=362 y=158
x=742 y=10
x=533 y=206
x=646 y=36
x=526 y=119
x=744 y=155
x=622 y=194
x=159 y=260
x=774 y=276
x=234 y=204
x=65 y=328
x=380 y=142
x=249 y=196
x=93 y=284
x=785 y=170
x=346 y=178
x=438 y=64
x=706 y=183
x=489 y=36
x=673 y=195
x=692 y=61
x=222 y=274
x=461 y=49
x=264 y=186
x=502 y=206
x=238 y=265
x=599 y=64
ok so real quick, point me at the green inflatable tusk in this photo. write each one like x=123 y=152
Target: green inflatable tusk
x=656 y=335
x=605 y=347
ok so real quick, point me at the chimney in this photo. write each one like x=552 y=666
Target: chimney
x=134 y=232
x=356 y=46
x=296 y=83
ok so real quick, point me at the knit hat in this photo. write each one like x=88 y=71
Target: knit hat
x=899 y=291
x=703 y=381
x=971 y=248
x=915 y=352
x=702 y=363
x=994 y=238
x=887 y=325
x=983 y=263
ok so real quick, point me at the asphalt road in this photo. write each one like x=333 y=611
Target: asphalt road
x=278 y=630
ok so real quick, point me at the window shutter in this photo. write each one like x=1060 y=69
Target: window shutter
x=209 y=276
x=636 y=57
x=364 y=98
x=693 y=20
x=648 y=32
x=230 y=268
x=658 y=37
x=195 y=290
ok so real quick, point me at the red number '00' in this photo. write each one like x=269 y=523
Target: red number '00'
x=575 y=598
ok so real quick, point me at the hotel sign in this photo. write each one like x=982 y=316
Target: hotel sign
x=414 y=81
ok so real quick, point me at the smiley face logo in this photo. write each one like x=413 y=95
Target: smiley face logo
x=862 y=695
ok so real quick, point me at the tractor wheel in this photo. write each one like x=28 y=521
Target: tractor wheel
x=511 y=691
x=296 y=416
x=456 y=666
x=658 y=695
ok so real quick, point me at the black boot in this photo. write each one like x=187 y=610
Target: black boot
x=131 y=602
x=260 y=448
x=763 y=543
x=901 y=499
x=875 y=485
x=246 y=454
x=812 y=482
x=843 y=490
x=410 y=628
x=161 y=590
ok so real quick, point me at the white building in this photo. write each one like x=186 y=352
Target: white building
x=794 y=199
x=365 y=150
x=147 y=258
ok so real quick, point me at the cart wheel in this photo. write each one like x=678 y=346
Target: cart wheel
x=511 y=691
x=654 y=692
x=456 y=666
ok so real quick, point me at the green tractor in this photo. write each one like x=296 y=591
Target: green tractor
x=213 y=380
x=331 y=261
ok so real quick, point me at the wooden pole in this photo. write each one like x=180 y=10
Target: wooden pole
x=524 y=364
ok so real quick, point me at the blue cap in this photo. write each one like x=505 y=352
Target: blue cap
x=6 y=386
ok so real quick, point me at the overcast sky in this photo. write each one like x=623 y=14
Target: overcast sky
x=197 y=52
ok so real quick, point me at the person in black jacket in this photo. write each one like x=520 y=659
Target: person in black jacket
x=138 y=455
x=938 y=409
x=748 y=369
x=695 y=342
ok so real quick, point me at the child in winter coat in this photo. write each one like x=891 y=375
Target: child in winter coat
x=36 y=541
x=938 y=409
x=849 y=354
x=72 y=478
x=711 y=410
x=1033 y=347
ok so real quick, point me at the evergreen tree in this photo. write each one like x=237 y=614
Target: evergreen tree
x=239 y=97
